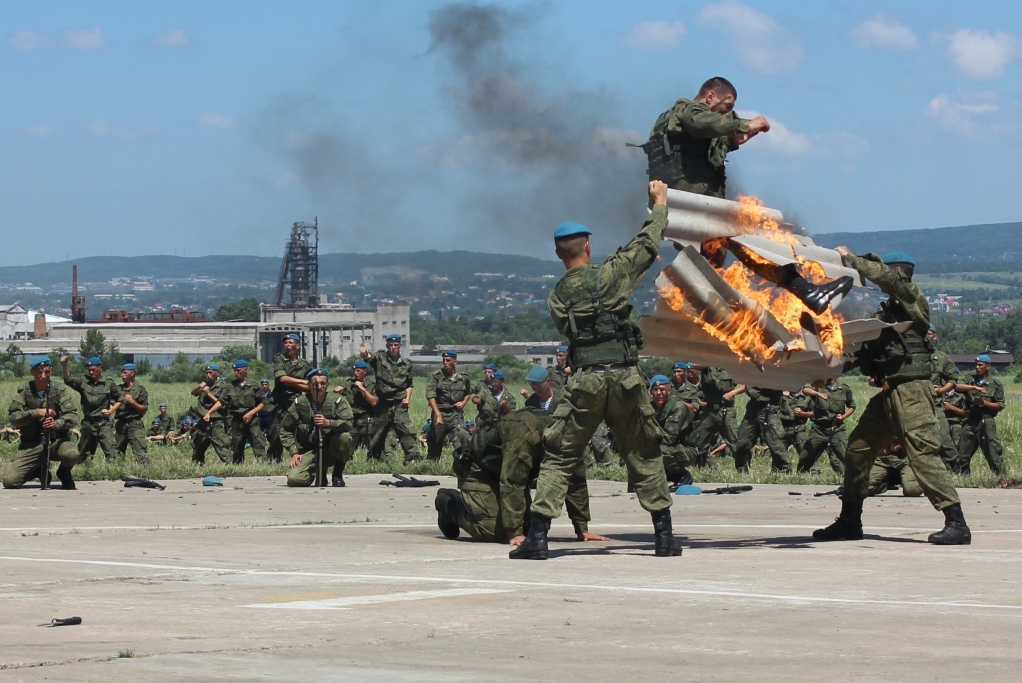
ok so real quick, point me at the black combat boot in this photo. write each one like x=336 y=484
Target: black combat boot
x=955 y=531
x=448 y=504
x=68 y=482
x=338 y=478
x=534 y=546
x=665 y=545
x=818 y=297
x=848 y=525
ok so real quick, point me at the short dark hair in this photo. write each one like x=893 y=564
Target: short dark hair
x=719 y=85
x=571 y=247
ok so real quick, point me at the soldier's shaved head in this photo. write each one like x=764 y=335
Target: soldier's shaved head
x=570 y=248
x=719 y=85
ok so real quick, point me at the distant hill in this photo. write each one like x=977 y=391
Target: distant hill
x=971 y=248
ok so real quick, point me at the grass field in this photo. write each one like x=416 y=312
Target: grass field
x=174 y=462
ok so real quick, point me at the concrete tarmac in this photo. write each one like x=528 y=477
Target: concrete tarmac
x=254 y=581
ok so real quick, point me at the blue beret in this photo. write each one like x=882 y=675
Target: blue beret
x=933 y=328
x=570 y=229
x=498 y=375
x=293 y=336
x=658 y=379
x=163 y=405
x=212 y=481
x=490 y=366
x=156 y=422
x=426 y=427
x=537 y=375
x=316 y=371
x=362 y=364
x=562 y=349
x=242 y=363
x=394 y=337
x=983 y=358
x=681 y=365
x=95 y=360
x=38 y=360
x=213 y=366
x=899 y=257
x=450 y=353
x=186 y=419
x=470 y=423
x=128 y=366
x=264 y=380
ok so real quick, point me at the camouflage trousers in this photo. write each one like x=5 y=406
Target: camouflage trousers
x=131 y=433
x=621 y=398
x=765 y=423
x=361 y=431
x=393 y=417
x=25 y=464
x=893 y=470
x=713 y=421
x=522 y=435
x=795 y=435
x=336 y=452
x=904 y=412
x=212 y=433
x=98 y=432
x=833 y=439
x=948 y=444
x=980 y=432
x=252 y=433
x=452 y=430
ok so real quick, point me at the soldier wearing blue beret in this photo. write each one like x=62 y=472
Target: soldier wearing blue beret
x=289 y=370
x=393 y=374
x=129 y=427
x=100 y=398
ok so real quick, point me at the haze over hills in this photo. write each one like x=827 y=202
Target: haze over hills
x=957 y=249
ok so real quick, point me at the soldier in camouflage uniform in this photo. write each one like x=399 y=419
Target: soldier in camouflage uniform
x=167 y=422
x=493 y=501
x=684 y=390
x=762 y=419
x=360 y=390
x=687 y=148
x=892 y=469
x=589 y=306
x=832 y=405
x=289 y=371
x=675 y=419
x=492 y=405
x=43 y=411
x=447 y=392
x=393 y=374
x=317 y=424
x=129 y=427
x=796 y=409
x=100 y=398
x=955 y=411
x=717 y=415
x=210 y=430
x=246 y=400
x=984 y=398
x=902 y=409
x=944 y=379
x=561 y=371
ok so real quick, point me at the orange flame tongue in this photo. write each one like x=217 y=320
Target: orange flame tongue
x=743 y=332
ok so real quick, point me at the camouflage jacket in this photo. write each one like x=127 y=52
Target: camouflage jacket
x=24 y=412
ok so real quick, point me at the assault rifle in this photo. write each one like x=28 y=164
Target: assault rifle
x=836 y=492
x=728 y=489
x=44 y=466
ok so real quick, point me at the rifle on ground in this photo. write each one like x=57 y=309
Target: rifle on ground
x=836 y=492
x=403 y=482
x=728 y=489
x=44 y=466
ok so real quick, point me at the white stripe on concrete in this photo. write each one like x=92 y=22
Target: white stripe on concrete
x=526 y=584
x=346 y=603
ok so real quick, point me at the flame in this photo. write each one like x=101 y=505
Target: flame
x=743 y=331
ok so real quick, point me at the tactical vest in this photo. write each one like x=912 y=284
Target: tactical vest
x=597 y=337
x=669 y=159
x=897 y=356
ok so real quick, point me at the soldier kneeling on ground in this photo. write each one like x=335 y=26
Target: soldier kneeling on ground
x=315 y=427
x=891 y=469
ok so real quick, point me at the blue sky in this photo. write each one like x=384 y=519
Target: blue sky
x=209 y=127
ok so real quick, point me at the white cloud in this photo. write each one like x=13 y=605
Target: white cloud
x=883 y=33
x=655 y=36
x=763 y=43
x=982 y=55
x=39 y=131
x=28 y=41
x=80 y=39
x=172 y=37
x=101 y=130
x=962 y=112
x=214 y=120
